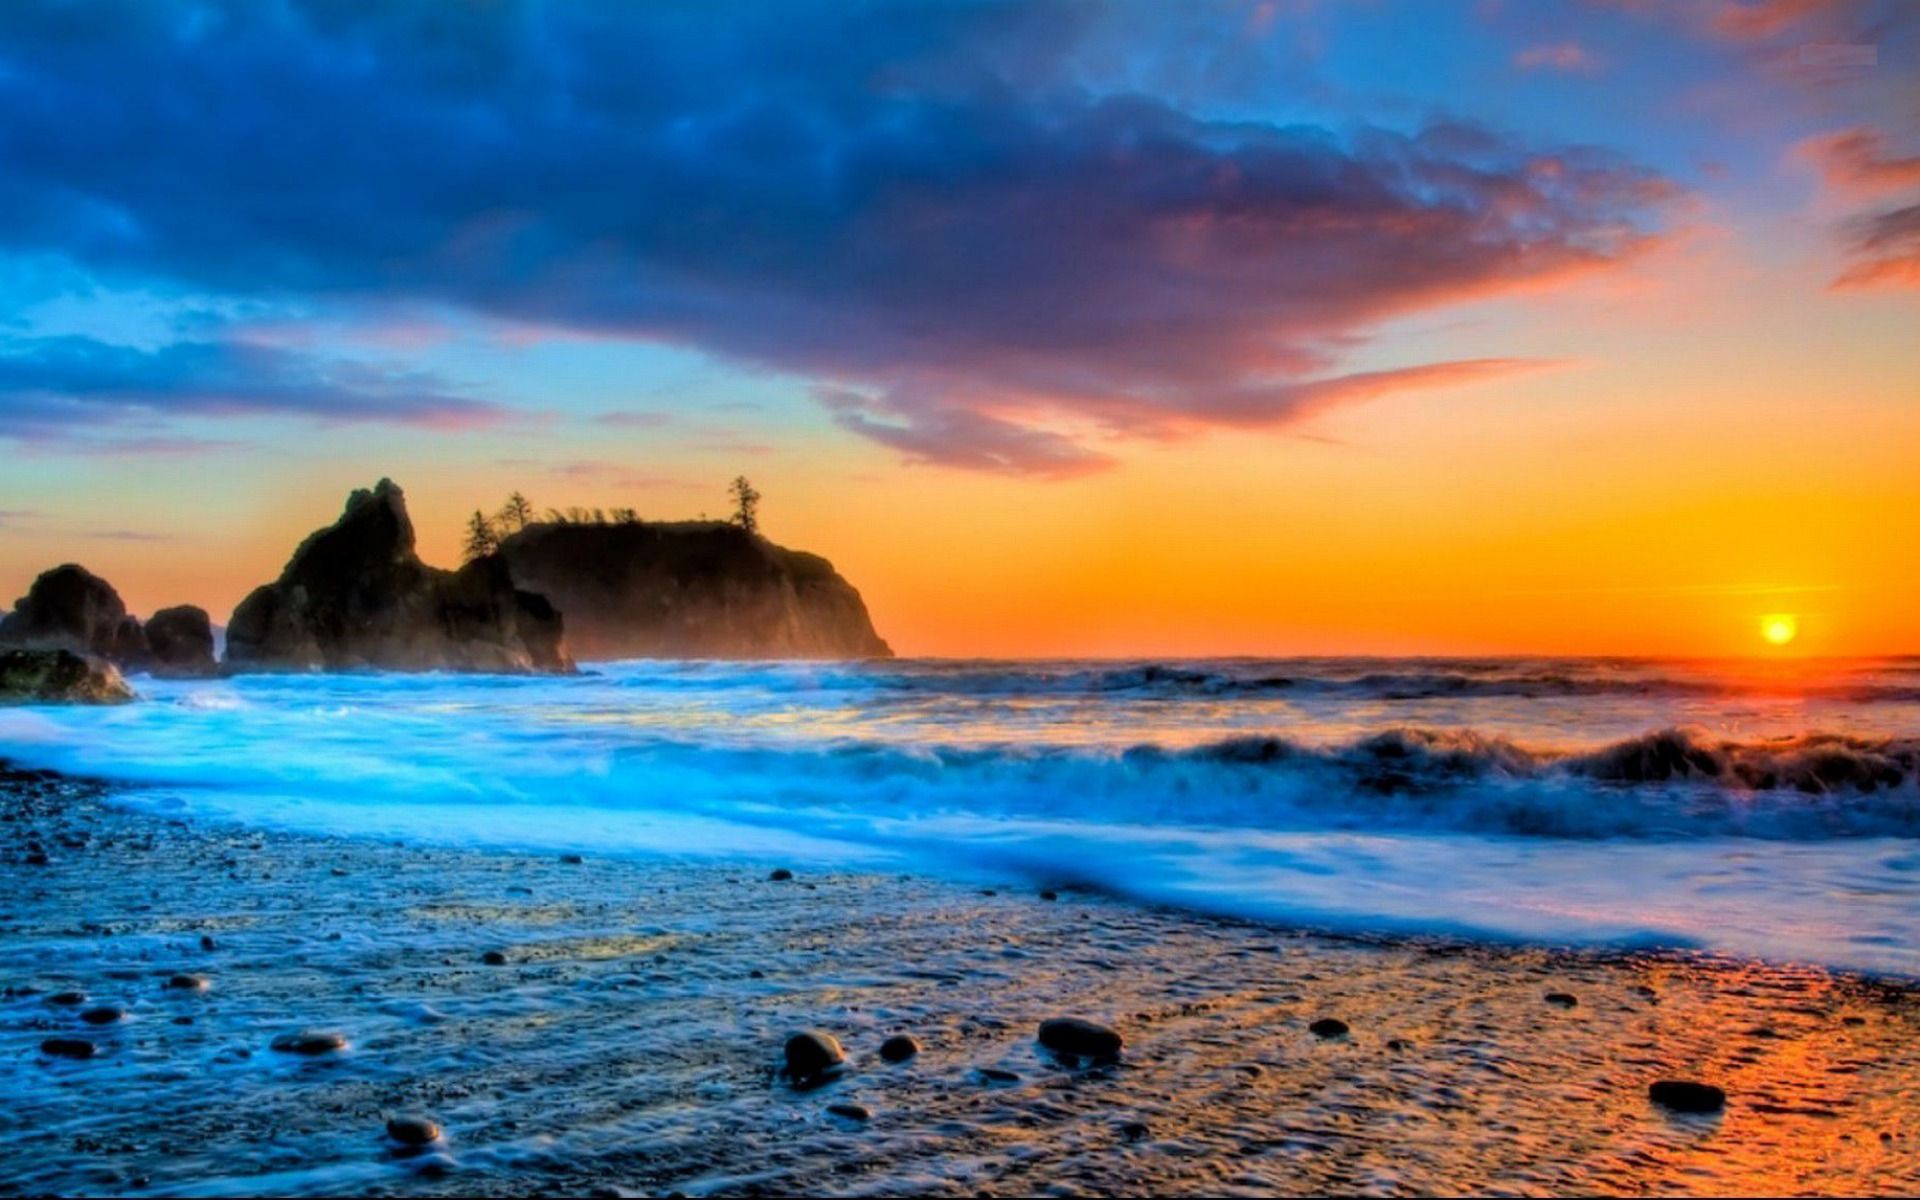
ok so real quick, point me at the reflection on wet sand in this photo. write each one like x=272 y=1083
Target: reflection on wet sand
x=630 y=1034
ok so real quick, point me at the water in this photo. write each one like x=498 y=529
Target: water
x=1760 y=809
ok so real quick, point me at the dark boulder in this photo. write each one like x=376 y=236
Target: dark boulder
x=71 y=608
x=1687 y=1096
x=1328 y=1027
x=356 y=596
x=413 y=1130
x=813 y=1056
x=1076 y=1038
x=62 y=1047
x=59 y=677
x=180 y=642
x=690 y=589
x=899 y=1048
x=310 y=1042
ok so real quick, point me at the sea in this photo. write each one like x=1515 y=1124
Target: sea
x=1761 y=809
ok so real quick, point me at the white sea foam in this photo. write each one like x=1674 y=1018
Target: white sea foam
x=1715 y=817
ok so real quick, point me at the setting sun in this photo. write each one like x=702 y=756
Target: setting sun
x=1779 y=628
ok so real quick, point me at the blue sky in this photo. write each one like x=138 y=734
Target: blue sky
x=639 y=247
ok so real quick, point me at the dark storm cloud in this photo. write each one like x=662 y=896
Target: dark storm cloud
x=925 y=205
x=55 y=388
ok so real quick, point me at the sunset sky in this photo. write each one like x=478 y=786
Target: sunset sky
x=1286 y=327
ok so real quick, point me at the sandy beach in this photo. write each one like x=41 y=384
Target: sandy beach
x=629 y=1042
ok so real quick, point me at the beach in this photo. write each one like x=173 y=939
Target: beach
x=629 y=1039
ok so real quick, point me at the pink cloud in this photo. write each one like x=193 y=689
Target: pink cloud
x=1569 y=57
x=1858 y=160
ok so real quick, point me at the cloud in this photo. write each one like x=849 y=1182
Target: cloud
x=59 y=388
x=1569 y=57
x=1859 y=160
x=1886 y=248
x=933 y=207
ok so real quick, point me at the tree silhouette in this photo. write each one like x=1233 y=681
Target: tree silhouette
x=746 y=504
x=482 y=538
x=516 y=514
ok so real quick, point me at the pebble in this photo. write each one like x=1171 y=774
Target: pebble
x=1080 y=1038
x=813 y=1054
x=67 y=999
x=494 y=958
x=852 y=1112
x=68 y=1048
x=572 y=860
x=899 y=1048
x=310 y=1042
x=1328 y=1027
x=106 y=1014
x=1563 y=999
x=413 y=1130
x=1687 y=1096
x=207 y=942
x=779 y=875
x=1049 y=895
x=996 y=1075
x=190 y=983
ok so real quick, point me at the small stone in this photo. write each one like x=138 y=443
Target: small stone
x=813 y=1054
x=413 y=1130
x=1049 y=895
x=779 y=875
x=572 y=860
x=996 y=1075
x=68 y=1048
x=1328 y=1027
x=1687 y=1096
x=1397 y=1044
x=207 y=942
x=1562 y=999
x=1134 y=1131
x=852 y=1112
x=106 y=1014
x=68 y=999
x=899 y=1048
x=189 y=983
x=494 y=958
x=310 y=1042
x=1079 y=1038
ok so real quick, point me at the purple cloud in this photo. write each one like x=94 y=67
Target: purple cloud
x=922 y=206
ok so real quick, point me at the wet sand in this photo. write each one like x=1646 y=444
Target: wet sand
x=629 y=1042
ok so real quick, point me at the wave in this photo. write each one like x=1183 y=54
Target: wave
x=1885 y=682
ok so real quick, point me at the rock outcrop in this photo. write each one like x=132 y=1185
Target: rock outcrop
x=355 y=595
x=695 y=589
x=180 y=642
x=59 y=676
x=71 y=608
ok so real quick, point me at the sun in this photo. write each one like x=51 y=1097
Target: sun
x=1779 y=628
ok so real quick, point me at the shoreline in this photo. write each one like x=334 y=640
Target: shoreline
x=628 y=1043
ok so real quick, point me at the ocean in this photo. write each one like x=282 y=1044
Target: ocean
x=1756 y=809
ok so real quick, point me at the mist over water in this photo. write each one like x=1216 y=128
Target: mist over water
x=1764 y=809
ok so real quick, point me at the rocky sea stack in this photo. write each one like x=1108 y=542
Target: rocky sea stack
x=356 y=596
x=71 y=608
x=690 y=589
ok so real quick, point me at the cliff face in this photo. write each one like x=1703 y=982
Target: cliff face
x=697 y=589
x=355 y=595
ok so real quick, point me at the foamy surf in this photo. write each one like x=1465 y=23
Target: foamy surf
x=1735 y=816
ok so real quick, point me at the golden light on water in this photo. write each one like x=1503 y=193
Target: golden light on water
x=1779 y=628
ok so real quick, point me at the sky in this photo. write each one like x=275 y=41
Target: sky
x=1062 y=329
